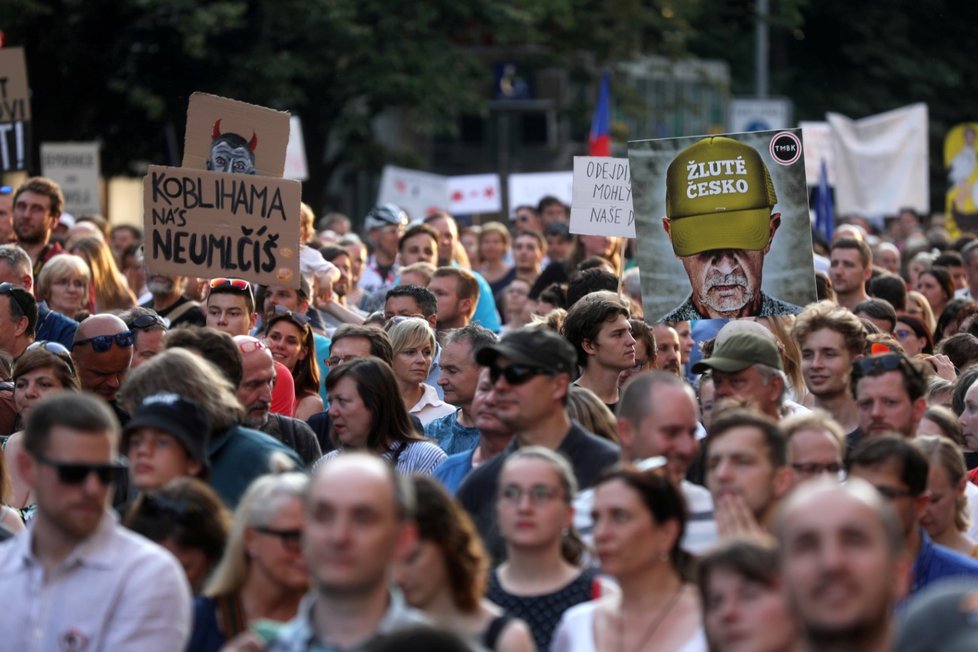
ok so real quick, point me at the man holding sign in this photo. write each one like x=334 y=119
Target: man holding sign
x=720 y=221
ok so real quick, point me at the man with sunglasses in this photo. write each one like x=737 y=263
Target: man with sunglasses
x=148 y=330
x=899 y=470
x=81 y=580
x=15 y=268
x=530 y=369
x=890 y=396
x=102 y=352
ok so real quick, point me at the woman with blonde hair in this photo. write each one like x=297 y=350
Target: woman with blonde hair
x=64 y=284
x=494 y=245
x=586 y=408
x=947 y=516
x=111 y=290
x=414 y=347
x=445 y=576
x=262 y=574
x=919 y=307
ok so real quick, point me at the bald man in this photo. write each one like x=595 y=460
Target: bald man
x=102 y=351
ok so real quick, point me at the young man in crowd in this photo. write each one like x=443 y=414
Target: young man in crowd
x=890 y=396
x=851 y=266
x=457 y=293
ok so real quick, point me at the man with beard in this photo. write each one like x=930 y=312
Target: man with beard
x=37 y=208
x=719 y=203
x=333 y=307
x=255 y=394
x=170 y=302
x=890 y=396
x=668 y=353
x=843 y=563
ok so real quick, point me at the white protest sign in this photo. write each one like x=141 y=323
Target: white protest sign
x=530 y=188
x=419 y=193
x=474 y=193
x=295 y=152
x=602 y=203
x=816 y=139
x=75 y=167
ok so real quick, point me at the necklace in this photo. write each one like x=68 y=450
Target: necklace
x=650 y=630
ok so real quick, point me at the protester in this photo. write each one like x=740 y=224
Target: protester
x=947 y=517
x=917 y=306
x=44 y=370
x=445 y=575
x=645 y=350
x=121 y=238
x=598 y=328
x=584 y=407
x=18 y=319
x=889 y=390
x=851 y=269
x=189 y=520
x=413 y=344
x=80 y=551
x=102 y=352
x=936 y=285
x=15 y=268
x=262 y=574
x=816 y=446
x=668 y=356
x=288 y=336
x=367 y=415
x=541 y=577
x=64 y=285
x=38 y=203
x=384 y=226
x=10 y=519
x=457 y=293
x=744 y=606
x=494 y=253
x=170 y=302
x=111 y=290
x=639 y=517
x=418 y=244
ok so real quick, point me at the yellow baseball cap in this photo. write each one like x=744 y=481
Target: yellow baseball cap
x=719 y=195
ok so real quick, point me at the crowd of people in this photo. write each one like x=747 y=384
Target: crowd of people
x=468 y=437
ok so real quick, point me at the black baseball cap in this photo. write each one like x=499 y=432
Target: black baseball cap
x=533 y=346
x=174 y=415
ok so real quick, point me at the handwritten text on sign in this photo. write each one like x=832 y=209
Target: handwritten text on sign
x=15 y=111
x=210 y=224
x=602 y=203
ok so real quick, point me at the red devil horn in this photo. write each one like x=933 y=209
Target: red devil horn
x=253 y=143
x=216 y=132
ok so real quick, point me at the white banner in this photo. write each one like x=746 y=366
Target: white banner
x=295 y=152
x=532 y=187
x=419 y=193
x=816 y=138
x=602 y=202
x=881 y=162
x=75 y=167
x=474 y=193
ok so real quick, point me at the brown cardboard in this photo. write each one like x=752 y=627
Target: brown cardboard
x=15 y=111
x=211 y=224
x=263 y=131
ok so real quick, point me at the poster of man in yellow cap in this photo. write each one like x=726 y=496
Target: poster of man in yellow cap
x=961 y=163
x=723 y=226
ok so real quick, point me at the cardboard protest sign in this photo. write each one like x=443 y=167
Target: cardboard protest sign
x=75 y=166
x=295 y=153
x=419 y=193
x=723 y=225
x=602 y=197
x=15 y=111
x=474 y=193
x=229 y=136
x=961 y=164
x=530 y=188
x=209 y=224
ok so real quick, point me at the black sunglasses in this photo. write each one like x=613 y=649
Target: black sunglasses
x=516 y=374
x=102 y=343
x=877 y=364
x=17 y=293
x=291 y=539
x=73 y=474
x=56 y=349
x=148 y=321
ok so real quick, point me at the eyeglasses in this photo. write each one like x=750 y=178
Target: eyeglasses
x=291 y=539
x=538 y=494
x=17 y=293
x=102 y=343
x=148 y=321
x=57 y=349
x=250 y=346
x=297 y=317
x=335 y=360
x=236 y=283
x=516 y=374
x=74 y=474
x=389 y=316
x=812 y=468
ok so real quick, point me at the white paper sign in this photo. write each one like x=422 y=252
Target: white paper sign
x=532 y=187
x=419 y=193
x=474 y=193
x=602 y=200
x=295 y=152
x=816 y=138
x=75 y=167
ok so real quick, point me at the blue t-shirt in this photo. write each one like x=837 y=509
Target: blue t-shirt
x=453 y=470
x=452 y=436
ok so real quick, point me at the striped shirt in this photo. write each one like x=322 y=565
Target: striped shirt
x=421 y=457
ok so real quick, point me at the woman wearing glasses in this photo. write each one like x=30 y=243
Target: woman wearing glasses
x=366 y=415
x=445 y=575
x=414 y=350
x=64 y=285
x=639 y=519
x=44 y=368
x=262 y=574
x=289 y=337
x=541 y=577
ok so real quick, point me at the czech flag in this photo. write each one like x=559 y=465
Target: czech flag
x=599 y=141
